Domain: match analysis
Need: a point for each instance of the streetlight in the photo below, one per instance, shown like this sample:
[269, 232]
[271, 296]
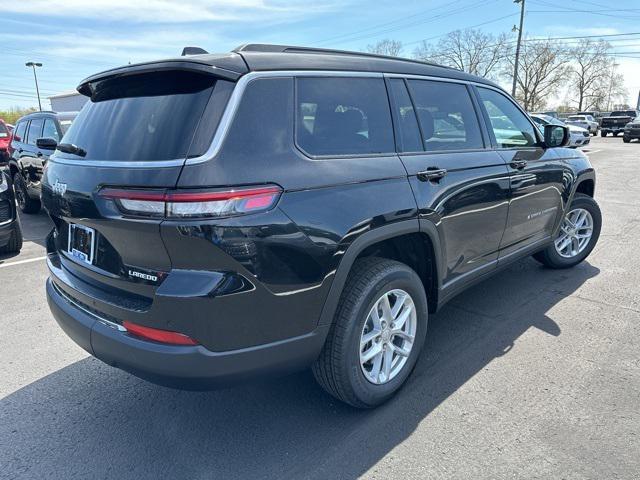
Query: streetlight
[35, 77]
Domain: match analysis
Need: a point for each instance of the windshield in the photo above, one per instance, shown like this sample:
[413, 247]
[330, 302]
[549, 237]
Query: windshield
[576, 117]
[628, 113]
[143, 117]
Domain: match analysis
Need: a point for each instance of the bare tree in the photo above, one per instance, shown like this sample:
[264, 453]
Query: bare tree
[391, 48]
[543, 67]
[469, 50]
[590, 73]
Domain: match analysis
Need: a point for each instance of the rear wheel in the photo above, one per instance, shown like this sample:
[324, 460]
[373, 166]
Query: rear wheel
[15, 241]
[626, 139]
[603, 133]
[615, 134]
[578, 234]
[377, 335]
[25, 202]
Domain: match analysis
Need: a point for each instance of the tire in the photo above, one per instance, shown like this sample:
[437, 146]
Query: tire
[626, 139]
[615, 134]
[26, 203]
[15, 241]
[550, 256]
[338, 369]
[603, 133]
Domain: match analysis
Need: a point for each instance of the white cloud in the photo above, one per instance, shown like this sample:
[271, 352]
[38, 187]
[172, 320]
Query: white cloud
[166, 11]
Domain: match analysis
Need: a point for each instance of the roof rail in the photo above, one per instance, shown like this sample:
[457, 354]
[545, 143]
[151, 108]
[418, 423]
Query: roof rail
[268, 48]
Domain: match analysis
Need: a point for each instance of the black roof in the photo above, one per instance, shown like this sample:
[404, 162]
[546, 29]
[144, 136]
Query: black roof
[265, 57]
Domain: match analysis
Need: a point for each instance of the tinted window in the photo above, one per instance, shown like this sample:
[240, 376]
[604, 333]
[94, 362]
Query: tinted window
[50, 130]
[510, 126]
[3, 130]
[20, 131]
[409, 133]
[447, 118]
[35, 130]
[142, 117]
[343, 116]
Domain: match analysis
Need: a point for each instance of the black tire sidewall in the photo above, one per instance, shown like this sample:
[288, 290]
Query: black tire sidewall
[400, 278]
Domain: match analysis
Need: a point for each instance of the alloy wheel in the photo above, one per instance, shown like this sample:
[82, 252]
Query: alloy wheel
[575, 233]
[388, 336]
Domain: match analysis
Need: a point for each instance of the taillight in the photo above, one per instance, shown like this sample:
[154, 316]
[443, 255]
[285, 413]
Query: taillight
[157, 335]
[194, 204]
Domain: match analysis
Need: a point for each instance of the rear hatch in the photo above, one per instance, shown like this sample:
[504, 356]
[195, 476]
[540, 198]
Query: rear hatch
[617, 120]
[135, 133]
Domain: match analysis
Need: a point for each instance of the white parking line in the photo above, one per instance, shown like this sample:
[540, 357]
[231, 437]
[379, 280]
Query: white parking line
[20, 262]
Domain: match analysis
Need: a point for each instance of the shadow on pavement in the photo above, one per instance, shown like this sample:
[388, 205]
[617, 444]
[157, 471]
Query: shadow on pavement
[91, 421]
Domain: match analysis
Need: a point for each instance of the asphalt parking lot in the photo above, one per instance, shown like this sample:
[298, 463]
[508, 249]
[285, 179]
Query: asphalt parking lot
[532, 374]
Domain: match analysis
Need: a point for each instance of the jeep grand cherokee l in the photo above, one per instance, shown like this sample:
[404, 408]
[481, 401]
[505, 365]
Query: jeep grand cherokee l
[219, 217]
[36, 137]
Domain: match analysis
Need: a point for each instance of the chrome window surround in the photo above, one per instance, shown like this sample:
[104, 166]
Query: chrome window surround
[232, 107]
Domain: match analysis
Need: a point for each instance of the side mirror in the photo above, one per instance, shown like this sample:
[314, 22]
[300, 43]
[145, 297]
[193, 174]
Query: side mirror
[556, 136]
[46, 143]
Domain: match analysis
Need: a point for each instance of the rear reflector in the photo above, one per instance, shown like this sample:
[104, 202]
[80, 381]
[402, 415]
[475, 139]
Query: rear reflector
[194, 204]
[157, 335]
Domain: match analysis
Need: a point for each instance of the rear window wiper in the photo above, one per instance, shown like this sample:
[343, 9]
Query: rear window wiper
[71, 148]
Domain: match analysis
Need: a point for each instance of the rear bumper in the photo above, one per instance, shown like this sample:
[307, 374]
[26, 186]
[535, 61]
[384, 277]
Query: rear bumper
[612, 129]
[188, 367]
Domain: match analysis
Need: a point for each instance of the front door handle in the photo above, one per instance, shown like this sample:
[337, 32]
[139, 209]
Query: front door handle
[518, 164]
[39, 154]
[431, 174]
[20, 150]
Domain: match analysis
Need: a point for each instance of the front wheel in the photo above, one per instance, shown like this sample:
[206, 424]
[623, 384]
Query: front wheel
[377, 334]
[603, 133]
[577, 236]
[626, 139]
[14, 245]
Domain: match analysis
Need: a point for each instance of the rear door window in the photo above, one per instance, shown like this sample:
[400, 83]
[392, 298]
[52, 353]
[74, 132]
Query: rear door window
[448, 120]
[145, 117]
[410, 138]
[343, 116]
[35, 130]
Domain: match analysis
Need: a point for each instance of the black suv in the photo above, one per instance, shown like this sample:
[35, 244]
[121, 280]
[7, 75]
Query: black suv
[225, 216]
[10, 231]
[35, 138]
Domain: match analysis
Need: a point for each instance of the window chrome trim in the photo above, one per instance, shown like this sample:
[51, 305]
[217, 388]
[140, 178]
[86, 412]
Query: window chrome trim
[232, 107]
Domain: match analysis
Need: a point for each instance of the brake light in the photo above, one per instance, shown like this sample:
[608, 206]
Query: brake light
[194, 204]
[157, 335]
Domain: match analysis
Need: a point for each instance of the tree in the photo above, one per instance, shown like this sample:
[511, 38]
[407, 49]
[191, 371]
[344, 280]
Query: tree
[391, 48]
[590, 73]
[472, 51]
[543, 67]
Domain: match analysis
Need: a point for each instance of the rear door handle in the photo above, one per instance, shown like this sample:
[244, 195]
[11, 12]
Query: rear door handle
[518, 164]
[431, 174]
[39, 154]
[20, 150]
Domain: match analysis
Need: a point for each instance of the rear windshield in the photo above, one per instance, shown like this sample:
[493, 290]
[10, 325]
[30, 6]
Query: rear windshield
[144, 117]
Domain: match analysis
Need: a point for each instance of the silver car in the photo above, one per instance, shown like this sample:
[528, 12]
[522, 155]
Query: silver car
[578, 136]
[584, 121]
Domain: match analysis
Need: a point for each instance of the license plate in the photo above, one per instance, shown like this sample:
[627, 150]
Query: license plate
[81, 242]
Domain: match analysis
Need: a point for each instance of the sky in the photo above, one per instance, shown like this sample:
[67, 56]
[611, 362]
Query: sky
[76, 38]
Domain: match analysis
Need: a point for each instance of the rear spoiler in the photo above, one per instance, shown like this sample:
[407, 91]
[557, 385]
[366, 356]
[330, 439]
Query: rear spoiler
[87, 85]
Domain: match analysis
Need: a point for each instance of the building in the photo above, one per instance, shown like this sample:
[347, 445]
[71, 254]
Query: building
[70, 101]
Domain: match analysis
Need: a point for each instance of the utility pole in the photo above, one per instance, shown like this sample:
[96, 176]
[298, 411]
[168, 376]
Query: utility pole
[35, 77]
[515, 67]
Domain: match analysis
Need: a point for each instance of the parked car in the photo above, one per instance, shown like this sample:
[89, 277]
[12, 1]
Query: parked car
[277, 208]
[10, 231]
[616, 122]
[579, 137]
[5, 141]
[631, 130]
[35, 139]
[584, 121]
